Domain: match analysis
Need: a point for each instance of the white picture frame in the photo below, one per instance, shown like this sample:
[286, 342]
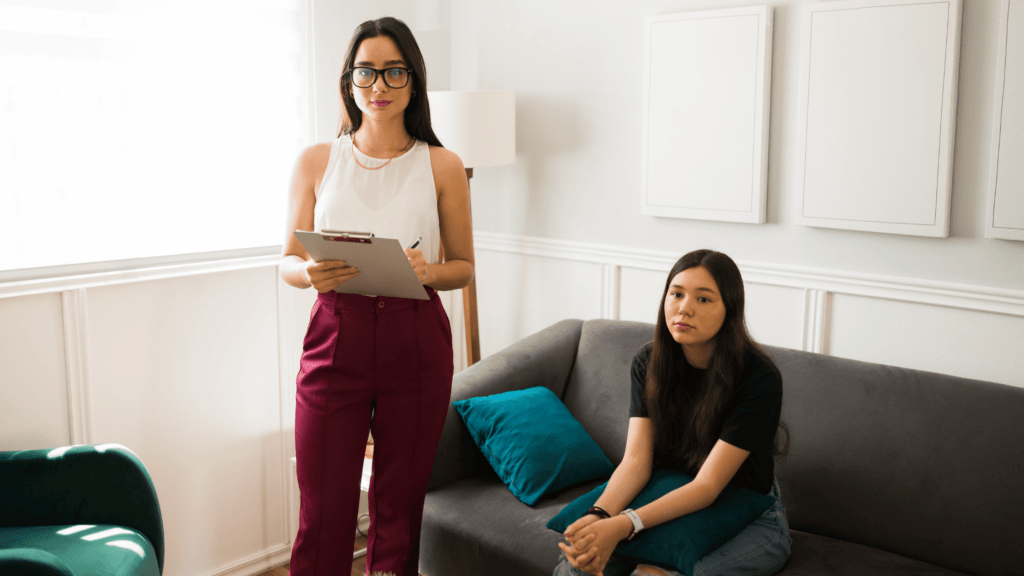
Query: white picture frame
[877, 115]
[1004, 217]
[707, 87]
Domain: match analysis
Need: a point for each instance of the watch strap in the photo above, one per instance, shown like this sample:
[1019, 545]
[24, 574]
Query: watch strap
[635, 519]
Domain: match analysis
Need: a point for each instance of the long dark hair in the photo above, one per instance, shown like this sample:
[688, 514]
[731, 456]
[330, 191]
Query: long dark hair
[686, 422]
[417, 114]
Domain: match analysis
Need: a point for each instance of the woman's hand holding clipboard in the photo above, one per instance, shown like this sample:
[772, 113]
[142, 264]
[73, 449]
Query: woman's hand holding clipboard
[327, 275]
[364, 264]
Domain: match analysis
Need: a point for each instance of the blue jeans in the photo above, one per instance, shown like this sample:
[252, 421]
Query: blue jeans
[761, 549]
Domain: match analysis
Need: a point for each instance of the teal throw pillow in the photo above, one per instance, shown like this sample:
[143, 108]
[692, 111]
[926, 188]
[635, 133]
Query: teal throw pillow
[680, 543]
[533, 442]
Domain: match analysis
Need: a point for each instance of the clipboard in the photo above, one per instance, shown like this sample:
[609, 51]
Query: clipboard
[384, 270]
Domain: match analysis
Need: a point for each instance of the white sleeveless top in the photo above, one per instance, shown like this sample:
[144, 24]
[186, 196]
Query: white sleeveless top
[397, 201]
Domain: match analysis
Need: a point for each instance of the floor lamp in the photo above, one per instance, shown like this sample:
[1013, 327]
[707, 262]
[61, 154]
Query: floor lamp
[479, 126]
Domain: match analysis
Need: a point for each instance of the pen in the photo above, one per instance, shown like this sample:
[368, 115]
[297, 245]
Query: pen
[415, 244]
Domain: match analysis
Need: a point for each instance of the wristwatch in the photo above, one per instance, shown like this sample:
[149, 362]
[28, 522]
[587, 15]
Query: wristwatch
[635, 519]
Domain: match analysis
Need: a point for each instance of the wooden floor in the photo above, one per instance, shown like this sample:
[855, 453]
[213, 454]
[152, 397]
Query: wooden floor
[358, 565]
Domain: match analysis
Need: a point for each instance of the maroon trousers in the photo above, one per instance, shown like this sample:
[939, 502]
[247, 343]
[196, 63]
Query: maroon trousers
[362, 354]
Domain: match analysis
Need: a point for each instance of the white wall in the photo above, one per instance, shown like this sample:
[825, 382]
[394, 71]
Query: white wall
[577, 68]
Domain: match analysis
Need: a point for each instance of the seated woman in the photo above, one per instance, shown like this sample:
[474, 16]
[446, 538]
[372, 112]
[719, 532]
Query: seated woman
[706, 399]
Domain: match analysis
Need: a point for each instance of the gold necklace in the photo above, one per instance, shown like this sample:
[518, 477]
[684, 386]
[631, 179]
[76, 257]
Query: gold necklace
[353, 137]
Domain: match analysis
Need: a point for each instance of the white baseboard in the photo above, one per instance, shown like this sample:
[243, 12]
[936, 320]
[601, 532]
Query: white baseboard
[257, 563]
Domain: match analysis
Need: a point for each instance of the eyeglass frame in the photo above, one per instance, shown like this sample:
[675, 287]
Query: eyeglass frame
[379, 72]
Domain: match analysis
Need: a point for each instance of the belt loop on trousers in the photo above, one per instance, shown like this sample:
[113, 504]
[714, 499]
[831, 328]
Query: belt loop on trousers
[332, 296]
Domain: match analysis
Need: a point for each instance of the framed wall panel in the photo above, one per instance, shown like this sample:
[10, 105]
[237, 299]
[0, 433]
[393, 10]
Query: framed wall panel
[877, 115]
[1005, 215]
[706, 96]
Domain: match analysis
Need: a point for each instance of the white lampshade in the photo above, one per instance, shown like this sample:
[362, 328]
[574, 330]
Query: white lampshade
[478, 125]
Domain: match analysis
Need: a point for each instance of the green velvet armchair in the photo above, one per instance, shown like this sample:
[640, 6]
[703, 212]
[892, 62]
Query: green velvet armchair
[79, 511]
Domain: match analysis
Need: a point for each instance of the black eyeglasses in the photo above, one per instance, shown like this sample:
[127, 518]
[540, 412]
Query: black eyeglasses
[363, 77]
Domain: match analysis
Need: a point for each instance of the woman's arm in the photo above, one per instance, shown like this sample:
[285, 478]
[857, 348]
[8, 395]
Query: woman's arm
[296, 267]
[721, 465]
[598, 539]
[456, 223]
[632, 474]
[591, 539]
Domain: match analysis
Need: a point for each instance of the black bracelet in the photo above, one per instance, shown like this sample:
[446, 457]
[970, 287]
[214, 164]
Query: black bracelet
[598, 511]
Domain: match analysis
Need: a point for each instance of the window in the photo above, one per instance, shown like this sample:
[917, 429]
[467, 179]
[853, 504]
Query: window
[143, 128]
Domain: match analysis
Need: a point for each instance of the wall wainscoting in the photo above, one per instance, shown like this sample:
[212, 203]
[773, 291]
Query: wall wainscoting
[179, 362]
[76, 362]
[973, 331]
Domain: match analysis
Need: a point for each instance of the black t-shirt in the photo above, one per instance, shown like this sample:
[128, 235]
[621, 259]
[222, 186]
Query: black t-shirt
[750, 422]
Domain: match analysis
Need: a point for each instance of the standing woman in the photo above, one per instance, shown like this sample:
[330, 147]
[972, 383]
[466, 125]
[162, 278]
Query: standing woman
[386, 173]
[706, 399]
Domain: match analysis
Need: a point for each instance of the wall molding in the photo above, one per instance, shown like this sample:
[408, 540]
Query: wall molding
[611, 275]
[286, 318]
[915, 290]
[76, 364]
[816, 314]
[72, 282]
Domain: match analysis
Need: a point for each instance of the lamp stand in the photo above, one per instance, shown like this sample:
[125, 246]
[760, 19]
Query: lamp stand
[469, 312]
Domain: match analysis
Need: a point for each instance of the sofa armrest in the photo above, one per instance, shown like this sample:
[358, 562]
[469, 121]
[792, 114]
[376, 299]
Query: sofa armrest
[543, 359]
[32, 562]
[101, 484]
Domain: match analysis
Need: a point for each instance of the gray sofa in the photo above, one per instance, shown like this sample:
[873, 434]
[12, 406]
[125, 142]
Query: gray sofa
[890, 470]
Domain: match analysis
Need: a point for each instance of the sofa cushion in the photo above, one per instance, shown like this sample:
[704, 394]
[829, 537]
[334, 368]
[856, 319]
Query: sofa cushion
[476, 523]
[87, 549]
[532, 442]
[476, 526]
[679, 543]
[815, 555]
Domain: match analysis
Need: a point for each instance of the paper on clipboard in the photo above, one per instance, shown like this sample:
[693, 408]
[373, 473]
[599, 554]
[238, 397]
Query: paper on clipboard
[384, 270]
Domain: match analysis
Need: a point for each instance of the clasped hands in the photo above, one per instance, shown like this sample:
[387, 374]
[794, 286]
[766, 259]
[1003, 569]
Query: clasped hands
[592, 541]
[329, 274]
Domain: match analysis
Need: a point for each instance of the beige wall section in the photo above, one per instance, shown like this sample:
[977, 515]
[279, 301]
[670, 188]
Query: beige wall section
[518, 295]
[774, 314]
[184, 372]
[641, 290]
[964, 343]
[33, 389]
